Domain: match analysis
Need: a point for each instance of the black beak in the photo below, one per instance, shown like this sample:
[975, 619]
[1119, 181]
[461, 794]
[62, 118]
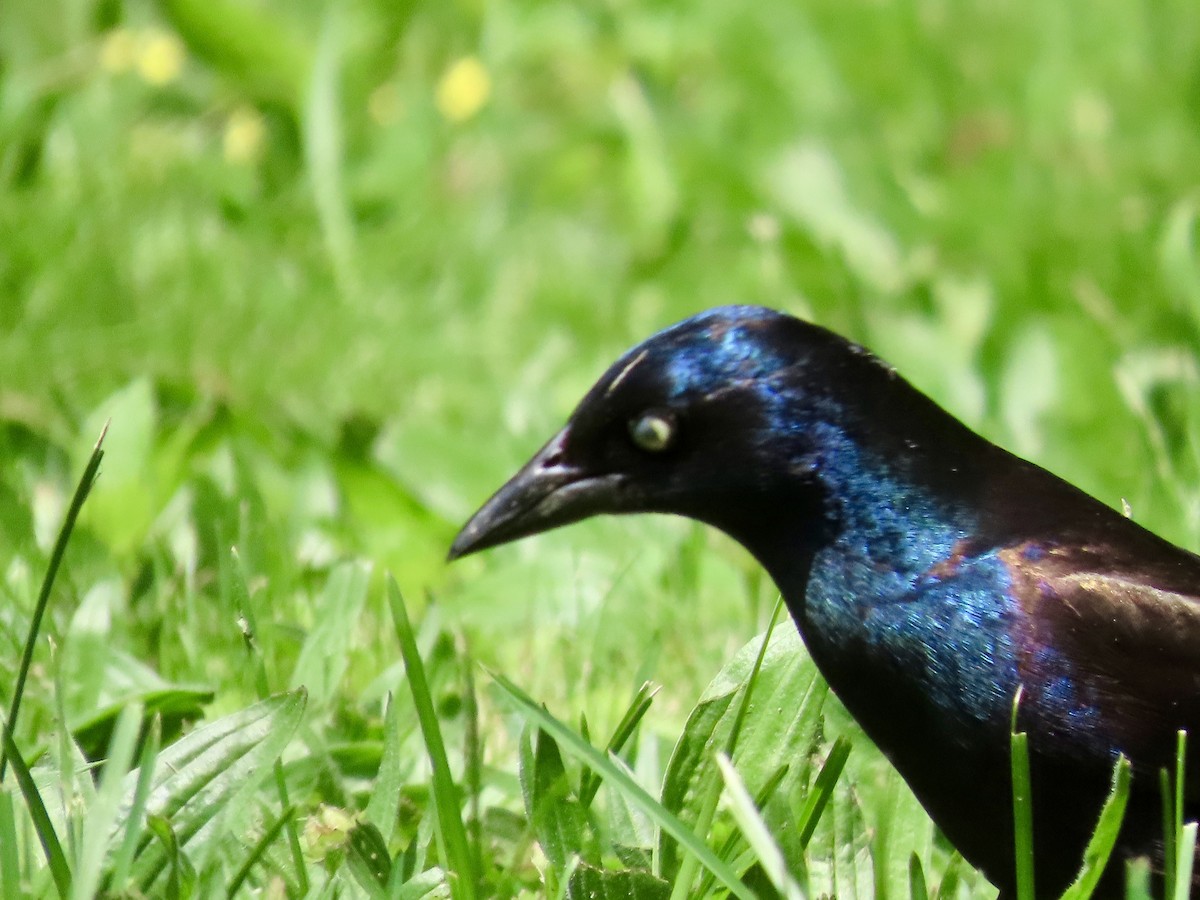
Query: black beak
[546, 493]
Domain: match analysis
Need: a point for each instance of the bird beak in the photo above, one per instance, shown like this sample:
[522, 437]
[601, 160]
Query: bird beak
[546, 493]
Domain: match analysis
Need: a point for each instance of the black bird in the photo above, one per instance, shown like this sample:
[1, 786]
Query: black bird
[930, 572]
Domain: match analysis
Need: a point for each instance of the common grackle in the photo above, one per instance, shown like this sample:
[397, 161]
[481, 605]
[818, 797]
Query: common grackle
[930, 572]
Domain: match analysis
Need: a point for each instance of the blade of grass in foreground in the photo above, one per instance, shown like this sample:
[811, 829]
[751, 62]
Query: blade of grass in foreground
[98, 824]
[463, 884]
[712, 795]
[758, 836]
[56, 556]
[1022, 795]
[10, 865]
[1137, 879]
[821, 791]
[135, 817]
[1104, 838]
[239, 588]
[1185, 840]
[1186, 849]
[57, 860]
[258, 851]
[589, 781]
[616, 775]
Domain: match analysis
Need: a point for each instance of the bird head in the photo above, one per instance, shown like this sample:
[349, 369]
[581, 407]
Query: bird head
[717, 418]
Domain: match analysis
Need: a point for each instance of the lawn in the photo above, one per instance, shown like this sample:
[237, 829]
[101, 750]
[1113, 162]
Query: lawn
[331, 272]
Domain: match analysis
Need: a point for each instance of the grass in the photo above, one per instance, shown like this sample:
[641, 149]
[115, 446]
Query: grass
[334, 272]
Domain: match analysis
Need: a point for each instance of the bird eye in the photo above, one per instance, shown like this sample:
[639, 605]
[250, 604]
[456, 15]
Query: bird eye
[652, 432]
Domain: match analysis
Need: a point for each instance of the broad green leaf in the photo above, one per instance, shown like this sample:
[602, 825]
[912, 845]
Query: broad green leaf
[428, 885]
[630, 831]
[206, 780]
[367, 855]
[592, 883]
[389, 776]
[181, 874]
[840, 863]
[554, 811]
[780, 728]
[262, 52]
[618, 778]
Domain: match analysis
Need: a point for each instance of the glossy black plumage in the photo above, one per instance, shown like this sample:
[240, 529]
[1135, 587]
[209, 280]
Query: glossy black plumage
[930, 572]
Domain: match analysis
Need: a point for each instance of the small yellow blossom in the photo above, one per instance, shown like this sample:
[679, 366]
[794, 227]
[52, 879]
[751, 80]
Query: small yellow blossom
[160, 57]
[245, 136]
[118, 51]
[464, 89]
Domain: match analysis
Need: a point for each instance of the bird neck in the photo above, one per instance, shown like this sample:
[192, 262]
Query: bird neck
[885, 510]
[871, 508]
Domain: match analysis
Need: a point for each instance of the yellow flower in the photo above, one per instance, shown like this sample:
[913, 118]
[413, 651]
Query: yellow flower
[118, 50]
[245, 135]
[464, 89]
[160, 57]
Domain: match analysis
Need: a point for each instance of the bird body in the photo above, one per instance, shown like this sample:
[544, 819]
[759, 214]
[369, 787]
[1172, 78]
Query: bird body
[931, 573]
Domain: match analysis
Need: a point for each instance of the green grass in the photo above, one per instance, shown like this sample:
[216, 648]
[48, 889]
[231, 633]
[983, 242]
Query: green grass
[326, 317]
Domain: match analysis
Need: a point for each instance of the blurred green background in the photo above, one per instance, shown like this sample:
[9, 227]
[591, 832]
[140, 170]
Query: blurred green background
[335, 269]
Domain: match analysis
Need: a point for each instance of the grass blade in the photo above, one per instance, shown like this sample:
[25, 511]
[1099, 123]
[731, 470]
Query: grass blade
[239, 588]
[589, 781]
[1022, 795]
[134, 818]
[616, 775]
[257, 851]
[758, 836]
[39, 610]
[1104, 838]
[916, 879]
[389, 782]
[10, 866]
[1186, 849]
[1170, 829]
[708, 809]
[446, 804]
[60, 869]
[731, 842]
[822, 789]
[98, 828]
[1137, 879]
[1185, 835]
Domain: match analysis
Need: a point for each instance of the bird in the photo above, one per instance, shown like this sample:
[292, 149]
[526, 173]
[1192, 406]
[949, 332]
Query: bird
[932, 574]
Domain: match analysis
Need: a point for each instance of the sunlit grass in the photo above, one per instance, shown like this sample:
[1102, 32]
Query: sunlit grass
[333, 275]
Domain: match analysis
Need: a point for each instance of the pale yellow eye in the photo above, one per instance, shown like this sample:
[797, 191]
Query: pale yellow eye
[652, 432]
